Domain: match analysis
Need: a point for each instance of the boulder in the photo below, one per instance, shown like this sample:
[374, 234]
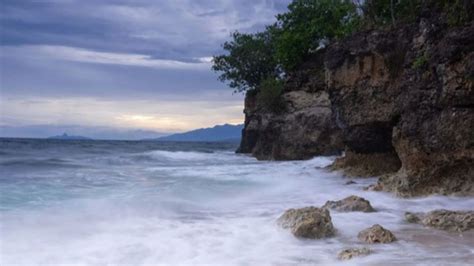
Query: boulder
[349, 253]
[350, 204]
[376, 234]
[453, 221]
[308, 222]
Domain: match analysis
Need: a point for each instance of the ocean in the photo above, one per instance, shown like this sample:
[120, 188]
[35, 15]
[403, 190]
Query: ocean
[159, 203]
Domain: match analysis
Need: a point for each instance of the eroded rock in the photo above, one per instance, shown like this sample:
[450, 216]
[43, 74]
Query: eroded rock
[350, 253]
[350, 204]
[308, 222]
[376, 234]
[303, 129]
[453, 221]
[367, 165]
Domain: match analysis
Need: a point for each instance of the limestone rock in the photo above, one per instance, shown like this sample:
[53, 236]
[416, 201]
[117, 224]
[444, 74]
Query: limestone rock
[303, 130]
[308, 222]
[376, 234]
[453, 221]
[350, 204]
[349, 253]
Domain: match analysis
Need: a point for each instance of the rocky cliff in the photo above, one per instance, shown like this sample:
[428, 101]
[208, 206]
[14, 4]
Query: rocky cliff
[303, 128]
[400, 102]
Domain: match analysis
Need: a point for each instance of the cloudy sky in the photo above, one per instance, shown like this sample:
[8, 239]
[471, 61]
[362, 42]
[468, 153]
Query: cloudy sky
[98, 67]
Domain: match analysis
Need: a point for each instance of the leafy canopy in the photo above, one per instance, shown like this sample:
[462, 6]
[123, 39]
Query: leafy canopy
[249, 60]
[389, 12]
[308, 23]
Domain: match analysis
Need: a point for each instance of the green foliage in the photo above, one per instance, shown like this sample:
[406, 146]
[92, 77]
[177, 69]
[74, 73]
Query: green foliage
[251, 93]
[269, 95]
[420, 61]
[458, 12]
[389, 12]
[308, 23]
[249, 60]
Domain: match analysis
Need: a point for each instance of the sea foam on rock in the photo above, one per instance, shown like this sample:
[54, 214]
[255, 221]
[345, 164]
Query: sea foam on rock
[308, 222]
[350, 204]
[376, 234]
[453, 221]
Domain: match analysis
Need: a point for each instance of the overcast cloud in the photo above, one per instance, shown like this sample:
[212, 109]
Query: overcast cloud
[125, 64]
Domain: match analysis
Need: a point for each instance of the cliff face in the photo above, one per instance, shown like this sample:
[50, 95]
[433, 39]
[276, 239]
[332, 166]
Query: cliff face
[401, 102]
[304, 128]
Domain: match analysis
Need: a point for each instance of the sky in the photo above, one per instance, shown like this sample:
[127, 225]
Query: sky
[119, 69]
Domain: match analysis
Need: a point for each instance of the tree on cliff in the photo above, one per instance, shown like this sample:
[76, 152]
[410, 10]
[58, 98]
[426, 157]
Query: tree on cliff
[310, 23]
[388, 12]
[253, 58]
[249, 60]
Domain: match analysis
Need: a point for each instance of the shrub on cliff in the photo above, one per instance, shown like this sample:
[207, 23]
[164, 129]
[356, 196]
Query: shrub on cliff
[269, 93]
[249, 59]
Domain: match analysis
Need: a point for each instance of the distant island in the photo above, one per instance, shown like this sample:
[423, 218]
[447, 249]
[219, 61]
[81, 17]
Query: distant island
[65, 136]
[219, 133]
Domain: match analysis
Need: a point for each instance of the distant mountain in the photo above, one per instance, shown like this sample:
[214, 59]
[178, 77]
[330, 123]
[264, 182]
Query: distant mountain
[93, 132]
[65, 136]
[218, 133]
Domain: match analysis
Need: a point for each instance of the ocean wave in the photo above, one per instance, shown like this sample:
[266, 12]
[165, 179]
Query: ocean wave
[52, 162]
[188, 155]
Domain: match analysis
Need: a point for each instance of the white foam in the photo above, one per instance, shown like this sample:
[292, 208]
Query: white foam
[222, 212]
[190, 155]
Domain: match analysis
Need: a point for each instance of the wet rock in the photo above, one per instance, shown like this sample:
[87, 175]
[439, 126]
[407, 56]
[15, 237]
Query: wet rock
[374, 187]
[412, 217]
[376, 234]
[308, 222]
[350, 204]
[453, 221]
[367, 165]
[350, 182]
[349, 253]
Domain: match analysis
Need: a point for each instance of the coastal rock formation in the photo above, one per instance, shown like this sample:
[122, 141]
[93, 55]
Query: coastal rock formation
[400, 102]
[405, 106]
[350, 204]
[376, 234]
[308, 222]
[304, 129]
[453, 221]
[350, 253]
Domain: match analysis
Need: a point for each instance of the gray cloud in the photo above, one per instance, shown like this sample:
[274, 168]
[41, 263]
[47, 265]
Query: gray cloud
[66, 51]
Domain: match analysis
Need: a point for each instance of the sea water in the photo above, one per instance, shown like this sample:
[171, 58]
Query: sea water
[151, 203]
